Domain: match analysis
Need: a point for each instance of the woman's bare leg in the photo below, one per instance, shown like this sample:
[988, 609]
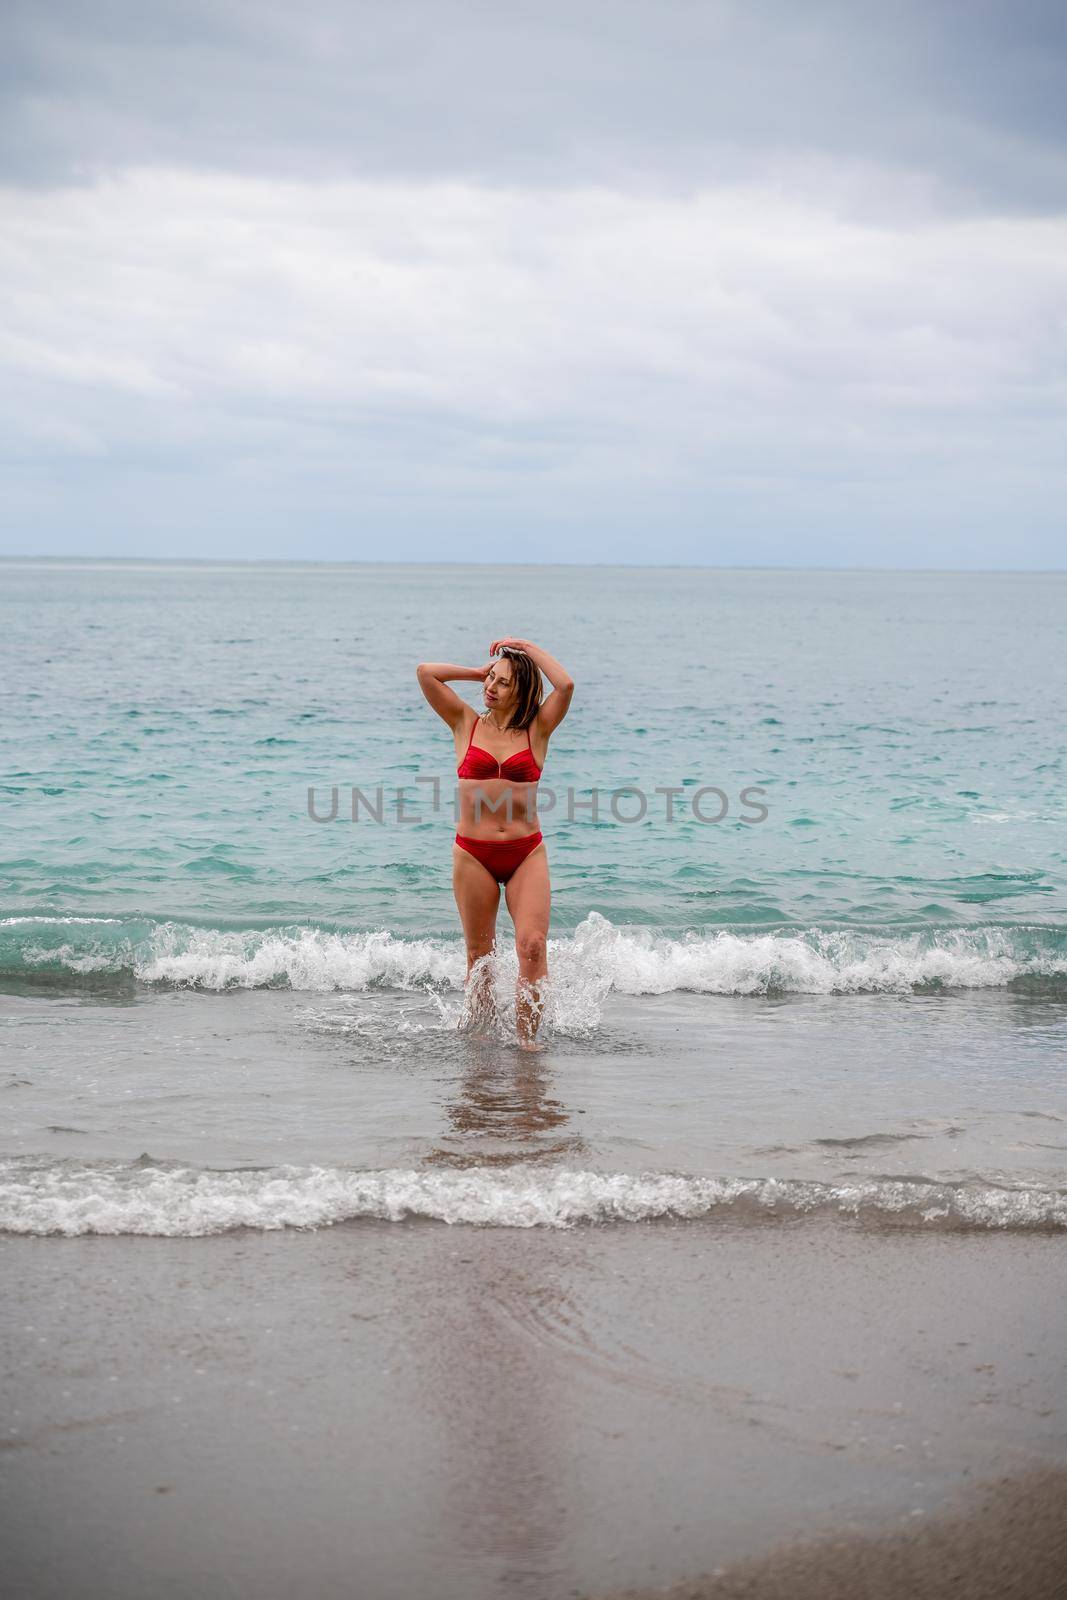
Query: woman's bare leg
[529, 900]
[478, 899]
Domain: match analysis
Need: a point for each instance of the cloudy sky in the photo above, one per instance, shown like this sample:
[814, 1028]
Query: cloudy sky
[739, 282]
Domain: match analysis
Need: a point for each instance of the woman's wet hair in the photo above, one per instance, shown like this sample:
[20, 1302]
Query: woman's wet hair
[527, 688]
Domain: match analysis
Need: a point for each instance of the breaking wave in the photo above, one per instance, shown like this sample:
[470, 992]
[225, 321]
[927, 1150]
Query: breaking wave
[62, 1196]
[109, 951]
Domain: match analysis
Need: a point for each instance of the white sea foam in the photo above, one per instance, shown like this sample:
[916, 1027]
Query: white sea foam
[15, 922]
[596, 958]
[39, 1196]
[815, 961]
[308, 958]
[70, 957]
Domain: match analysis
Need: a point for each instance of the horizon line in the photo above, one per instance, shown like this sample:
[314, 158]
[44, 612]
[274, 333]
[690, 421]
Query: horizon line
[638, 566]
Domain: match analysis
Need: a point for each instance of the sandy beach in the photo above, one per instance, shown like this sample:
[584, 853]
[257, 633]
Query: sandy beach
[402, 1409]
[1007, 1539]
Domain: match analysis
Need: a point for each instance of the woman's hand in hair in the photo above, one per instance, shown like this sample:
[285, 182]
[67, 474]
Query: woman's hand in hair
[508, 644]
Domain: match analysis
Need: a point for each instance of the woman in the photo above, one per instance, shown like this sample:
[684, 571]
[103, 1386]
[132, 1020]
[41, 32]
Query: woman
[499, 841]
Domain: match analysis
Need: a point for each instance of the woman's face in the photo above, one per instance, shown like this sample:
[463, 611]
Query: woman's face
[499, 686]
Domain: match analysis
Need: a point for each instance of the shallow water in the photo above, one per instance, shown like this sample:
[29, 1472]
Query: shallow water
[189, 1113]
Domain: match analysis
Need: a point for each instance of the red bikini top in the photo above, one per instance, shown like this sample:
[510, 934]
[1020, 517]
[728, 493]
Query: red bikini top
[478, 763]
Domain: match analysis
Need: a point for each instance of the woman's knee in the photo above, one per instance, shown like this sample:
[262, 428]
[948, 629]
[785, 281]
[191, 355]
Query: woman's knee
[531, 945]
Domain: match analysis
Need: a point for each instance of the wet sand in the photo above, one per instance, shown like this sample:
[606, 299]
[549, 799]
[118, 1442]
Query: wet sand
[1007, 1541]
[397, 1410]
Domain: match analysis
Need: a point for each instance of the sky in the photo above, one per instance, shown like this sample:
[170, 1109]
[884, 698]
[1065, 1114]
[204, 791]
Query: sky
[776, 283]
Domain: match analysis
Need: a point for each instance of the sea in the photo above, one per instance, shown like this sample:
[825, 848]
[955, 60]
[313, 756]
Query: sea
[808, 955]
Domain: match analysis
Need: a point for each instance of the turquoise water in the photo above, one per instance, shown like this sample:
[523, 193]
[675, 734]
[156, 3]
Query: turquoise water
[163, 725]
[867, 987]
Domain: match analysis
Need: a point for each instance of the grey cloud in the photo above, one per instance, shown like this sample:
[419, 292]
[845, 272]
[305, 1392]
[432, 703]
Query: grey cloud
[208, 363]
[681, 92]
[779, 281]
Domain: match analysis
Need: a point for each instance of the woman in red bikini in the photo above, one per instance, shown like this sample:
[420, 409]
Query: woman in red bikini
[499, 841]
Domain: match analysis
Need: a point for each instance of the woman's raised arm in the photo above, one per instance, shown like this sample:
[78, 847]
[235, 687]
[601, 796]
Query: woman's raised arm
[445, 701]
[554, 707]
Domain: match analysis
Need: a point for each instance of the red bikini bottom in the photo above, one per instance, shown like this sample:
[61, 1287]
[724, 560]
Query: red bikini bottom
[500, 856]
